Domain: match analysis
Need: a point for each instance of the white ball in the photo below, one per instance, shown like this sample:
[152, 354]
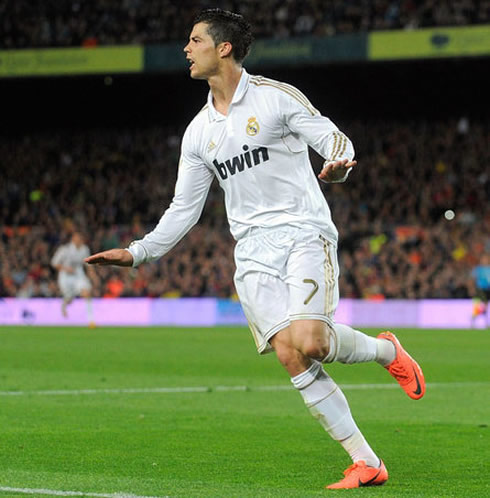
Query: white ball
[449, 215]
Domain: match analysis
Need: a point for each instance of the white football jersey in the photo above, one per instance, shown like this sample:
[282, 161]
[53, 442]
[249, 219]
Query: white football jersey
[259, 154]
[71, 256]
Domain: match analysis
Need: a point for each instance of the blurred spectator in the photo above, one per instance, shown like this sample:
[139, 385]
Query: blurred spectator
[397, 240]
[114, 287]
[89, 23]
[481, 276]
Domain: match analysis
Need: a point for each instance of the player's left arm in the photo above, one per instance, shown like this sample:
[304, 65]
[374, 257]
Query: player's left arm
[193, 182]
[320, 133]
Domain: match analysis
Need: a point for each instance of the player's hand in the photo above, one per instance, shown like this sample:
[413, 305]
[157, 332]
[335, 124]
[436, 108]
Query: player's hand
[334, 171]
[117, 257]
[68, 269]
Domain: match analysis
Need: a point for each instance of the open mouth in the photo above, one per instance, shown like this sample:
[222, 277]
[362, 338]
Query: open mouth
[191, 63]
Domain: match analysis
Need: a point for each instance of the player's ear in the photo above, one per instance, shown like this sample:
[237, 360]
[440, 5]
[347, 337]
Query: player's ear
[224, 49]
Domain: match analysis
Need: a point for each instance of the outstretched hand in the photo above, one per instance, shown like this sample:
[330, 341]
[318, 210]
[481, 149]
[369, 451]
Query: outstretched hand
[335, 170]
[117, 257]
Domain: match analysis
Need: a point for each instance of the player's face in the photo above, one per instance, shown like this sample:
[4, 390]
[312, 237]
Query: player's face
[77, 239]
[201, 53]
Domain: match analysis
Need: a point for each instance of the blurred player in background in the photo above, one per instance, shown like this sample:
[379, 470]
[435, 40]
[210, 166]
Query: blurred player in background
[253, 136]
[481, 275]
[68, 260]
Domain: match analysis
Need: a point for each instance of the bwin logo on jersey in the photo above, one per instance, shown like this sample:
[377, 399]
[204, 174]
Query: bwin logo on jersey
[237, 163]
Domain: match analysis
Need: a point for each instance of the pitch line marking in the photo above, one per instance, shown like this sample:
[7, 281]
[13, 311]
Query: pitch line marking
[54, 492]
[209, 389]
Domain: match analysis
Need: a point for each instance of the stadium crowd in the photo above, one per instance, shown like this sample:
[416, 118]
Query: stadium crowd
[24, 23]
[413, 218]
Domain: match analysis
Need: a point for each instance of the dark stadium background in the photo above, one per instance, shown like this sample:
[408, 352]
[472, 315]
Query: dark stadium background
[397, 90]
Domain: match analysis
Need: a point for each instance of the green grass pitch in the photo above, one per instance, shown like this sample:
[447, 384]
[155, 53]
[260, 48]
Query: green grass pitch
[225, 443]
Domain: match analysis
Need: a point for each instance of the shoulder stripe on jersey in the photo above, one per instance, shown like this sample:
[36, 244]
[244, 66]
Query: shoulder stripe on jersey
[310, 108]
[278, 84]
[283, 86]
[285, 90]
[291, 88]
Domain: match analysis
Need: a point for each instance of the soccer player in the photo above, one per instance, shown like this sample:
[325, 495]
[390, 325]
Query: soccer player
[481, 275]
[253, 136]
[68, 260]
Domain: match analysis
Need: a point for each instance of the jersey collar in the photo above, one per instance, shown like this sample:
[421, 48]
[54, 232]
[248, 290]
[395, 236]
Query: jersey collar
[240, 91]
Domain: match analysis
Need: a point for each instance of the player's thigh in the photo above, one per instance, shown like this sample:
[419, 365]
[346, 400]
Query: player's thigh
[264, 299]
[261, 260]
[312, 279]
[67, 286]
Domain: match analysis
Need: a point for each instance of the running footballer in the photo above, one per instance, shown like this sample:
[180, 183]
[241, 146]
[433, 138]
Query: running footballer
[253, 136]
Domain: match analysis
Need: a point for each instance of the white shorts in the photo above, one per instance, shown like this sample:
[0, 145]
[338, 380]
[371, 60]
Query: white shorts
[73, 285]
[283, 275]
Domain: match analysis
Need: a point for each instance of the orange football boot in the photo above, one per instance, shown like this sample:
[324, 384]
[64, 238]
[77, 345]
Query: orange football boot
[405, 369]
[359, 475]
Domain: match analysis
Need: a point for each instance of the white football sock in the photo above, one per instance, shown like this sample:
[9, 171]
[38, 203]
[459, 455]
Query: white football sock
[348, 345]
[385, 352]
[329, 406]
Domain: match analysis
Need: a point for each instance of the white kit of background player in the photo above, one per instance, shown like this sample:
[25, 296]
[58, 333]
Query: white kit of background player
[68, 260]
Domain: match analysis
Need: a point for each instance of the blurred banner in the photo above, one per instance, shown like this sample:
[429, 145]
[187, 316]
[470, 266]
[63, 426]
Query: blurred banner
[430, 42]
[308, 50]
[169, 57]
[64, 61]
[429, 313]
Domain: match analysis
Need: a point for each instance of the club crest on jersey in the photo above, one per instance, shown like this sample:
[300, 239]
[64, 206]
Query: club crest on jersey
[252, 126]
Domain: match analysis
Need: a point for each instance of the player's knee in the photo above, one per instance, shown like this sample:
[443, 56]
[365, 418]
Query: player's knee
[315, 348]
[314, 340]
[286, 353]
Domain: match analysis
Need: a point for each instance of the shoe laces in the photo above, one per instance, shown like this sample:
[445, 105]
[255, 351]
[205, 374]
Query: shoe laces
[353, 467]
[400, 371]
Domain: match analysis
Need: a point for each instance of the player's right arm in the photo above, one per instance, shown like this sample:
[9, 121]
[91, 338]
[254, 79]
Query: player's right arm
[193, 182]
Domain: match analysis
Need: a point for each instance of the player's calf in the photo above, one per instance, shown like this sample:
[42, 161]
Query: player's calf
[348, 345]
[327, 343]
[329, 406]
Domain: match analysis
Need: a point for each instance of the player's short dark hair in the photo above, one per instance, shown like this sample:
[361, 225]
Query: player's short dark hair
[225, 26]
